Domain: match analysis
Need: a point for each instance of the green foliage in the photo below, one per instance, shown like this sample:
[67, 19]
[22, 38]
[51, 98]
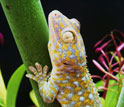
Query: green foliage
[112, 95]
[98, 84]
[121, 98]
[33, 98]
[8, 97]
[102, 101]
[2, 90]
[13, 86]
[1, 102]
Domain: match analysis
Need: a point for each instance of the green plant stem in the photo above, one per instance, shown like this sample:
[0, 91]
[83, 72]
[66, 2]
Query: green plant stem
[29, 28]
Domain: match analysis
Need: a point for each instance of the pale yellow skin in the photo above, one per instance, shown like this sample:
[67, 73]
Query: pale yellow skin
[69, 81]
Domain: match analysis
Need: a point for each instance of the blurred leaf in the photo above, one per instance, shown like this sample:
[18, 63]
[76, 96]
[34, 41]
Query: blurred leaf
[1, 102]
[13, 86]
[102, 100]
[98, 84]
[121, 97]
[111, 96]
[33, 98]
[2, 88]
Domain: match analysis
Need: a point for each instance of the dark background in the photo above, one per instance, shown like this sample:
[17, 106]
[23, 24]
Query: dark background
[97, 18]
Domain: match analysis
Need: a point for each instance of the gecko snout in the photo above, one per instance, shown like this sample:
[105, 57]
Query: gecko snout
[55, 13]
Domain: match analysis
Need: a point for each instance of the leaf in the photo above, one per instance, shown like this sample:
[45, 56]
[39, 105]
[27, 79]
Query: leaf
[102, 100]
[2, 89]
[33, 98]
[98, 84]
[112, 96]
[121, 98]
[13, 86]
[1, 102]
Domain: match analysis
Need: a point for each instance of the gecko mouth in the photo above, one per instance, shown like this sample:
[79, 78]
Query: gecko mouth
[66, 64]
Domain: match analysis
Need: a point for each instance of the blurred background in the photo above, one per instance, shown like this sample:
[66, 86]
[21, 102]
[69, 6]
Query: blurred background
[97, 18]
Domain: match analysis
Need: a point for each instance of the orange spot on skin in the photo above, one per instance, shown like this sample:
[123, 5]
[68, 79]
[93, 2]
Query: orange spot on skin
[74, 47]
[61, 24]
[75, 98]
[61, 56]
[76, 53]
[67, 59]
[72, 74]
[77, 89]
[54, 51]
[75, 67]
[63, 96]
[67, 84]
[65, 47]
[69, 53]
[56, 26]
[78, 59]
[57, 47]
[91, 102]
[56, 59]
[72, 61]
[65, 102]
[72, 80]
[83, 83]
[58, 64]
[66, 91]
[79, 79]
[77, 104]
[73, 85]
[86, 94]
[86, 102]
[53, 40]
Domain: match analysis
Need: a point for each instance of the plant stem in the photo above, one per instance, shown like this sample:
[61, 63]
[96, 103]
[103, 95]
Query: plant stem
[29, 28]
[106, 86]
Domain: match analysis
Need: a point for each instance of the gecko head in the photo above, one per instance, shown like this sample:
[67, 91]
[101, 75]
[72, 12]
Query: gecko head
[65, 42]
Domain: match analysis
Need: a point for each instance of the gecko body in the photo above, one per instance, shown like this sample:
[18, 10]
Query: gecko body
[69, 81]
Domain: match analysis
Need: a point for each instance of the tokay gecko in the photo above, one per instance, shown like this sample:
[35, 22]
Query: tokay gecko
[69, 81]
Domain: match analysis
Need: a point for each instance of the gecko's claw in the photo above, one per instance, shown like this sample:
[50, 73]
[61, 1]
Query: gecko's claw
[39, 73]
[33, 70]
[31, 77]
[45, 70]
[38, 67]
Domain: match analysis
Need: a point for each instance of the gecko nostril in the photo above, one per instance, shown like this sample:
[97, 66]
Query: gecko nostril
[55, 14]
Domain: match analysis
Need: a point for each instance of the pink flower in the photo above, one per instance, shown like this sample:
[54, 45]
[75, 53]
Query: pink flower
[1, 39]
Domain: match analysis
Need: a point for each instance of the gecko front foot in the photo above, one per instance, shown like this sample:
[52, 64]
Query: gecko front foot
[39, 73]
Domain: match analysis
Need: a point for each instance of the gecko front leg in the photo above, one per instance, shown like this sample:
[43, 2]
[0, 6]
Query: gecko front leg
[47, 88]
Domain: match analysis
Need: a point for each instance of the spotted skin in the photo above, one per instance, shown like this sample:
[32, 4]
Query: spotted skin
[69, 81]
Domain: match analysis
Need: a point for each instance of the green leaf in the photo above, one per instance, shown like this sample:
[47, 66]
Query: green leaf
[33, 98]
[1, 102]
[2, 88]
[102, 100]
[121, 97]
[112, 96]
[98, 84]
[13, 86]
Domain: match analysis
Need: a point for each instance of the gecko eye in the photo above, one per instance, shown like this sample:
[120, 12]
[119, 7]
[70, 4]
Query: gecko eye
[68, 37]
